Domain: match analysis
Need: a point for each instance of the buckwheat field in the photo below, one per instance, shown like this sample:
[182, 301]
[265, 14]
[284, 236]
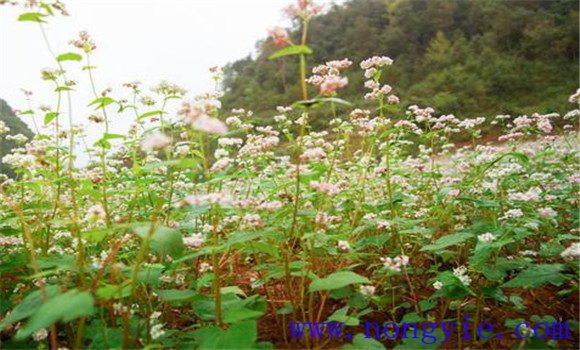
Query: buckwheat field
[219, 228]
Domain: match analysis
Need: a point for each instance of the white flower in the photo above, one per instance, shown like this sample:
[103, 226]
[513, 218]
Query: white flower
[283, 109]
[316, 153]
[155, 142]
[221, 164]
[547, 212]
[326, 188]
[157, 331]
[20, 160]
[270, 206]
[533, 194]
[461, 273]
[344, 246]
[453, 193]
[182, 150]
[40, 334]
[575, 97]
[252, 221]
[205, 267]
[486, 237]
[396, 263]
[3, 128]
[195, 240]
[209, 125]
[229, 141]
[437, 285]
[528, 253]
[10, 240]
[207, 199]
[376, 61]
[383, 225]
[512, 214]
[571, 252]
[18, 138]
[368, 291]
[233, 121]
[95, 212]
[279, 118]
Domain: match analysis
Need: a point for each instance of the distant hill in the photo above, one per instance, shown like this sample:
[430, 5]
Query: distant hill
[470, 58]
[16, 126]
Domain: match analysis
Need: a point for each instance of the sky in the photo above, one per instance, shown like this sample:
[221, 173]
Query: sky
[144, 40]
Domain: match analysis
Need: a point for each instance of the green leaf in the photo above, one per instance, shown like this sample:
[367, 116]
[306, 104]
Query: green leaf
[291, 50]
[47, 8]
[103, 143]
[341, 315]
[69, 56]
[65, 307]
[163, 240]
[232, 290]
[536, 275]
[111, 291]
[175, 294]
[337, 280]
[236, 309]
[150, 114]
[319, 101]
[241, 335]
[101, 102]
[452, 287]
[422, 340]
[109, 136]
[32, 17]
[447, 241]
[360, 341]
[50, 116]
[335, 100]
[150, 275]
[28, 111]
[285, 310]
[28, 306]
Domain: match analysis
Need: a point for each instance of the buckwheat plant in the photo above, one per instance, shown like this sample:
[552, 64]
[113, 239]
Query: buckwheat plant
[202, 229]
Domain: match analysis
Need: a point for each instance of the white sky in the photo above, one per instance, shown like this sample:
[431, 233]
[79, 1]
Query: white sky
[145, 40]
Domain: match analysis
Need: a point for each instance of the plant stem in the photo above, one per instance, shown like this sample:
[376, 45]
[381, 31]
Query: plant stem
[216, 270]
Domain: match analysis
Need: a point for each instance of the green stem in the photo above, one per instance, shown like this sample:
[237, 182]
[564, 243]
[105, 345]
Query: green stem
[216, 270]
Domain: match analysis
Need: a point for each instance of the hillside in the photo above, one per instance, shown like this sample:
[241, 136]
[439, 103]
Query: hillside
[16, 126]
[471, 58]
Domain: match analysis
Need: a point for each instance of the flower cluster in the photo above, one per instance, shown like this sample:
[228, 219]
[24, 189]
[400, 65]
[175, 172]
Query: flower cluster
[303, 9]
[327, 76]
[84, 42]
[395, 264]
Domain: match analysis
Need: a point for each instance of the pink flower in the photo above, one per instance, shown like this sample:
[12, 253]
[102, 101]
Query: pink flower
[280, 36]
[194, 241]
[209, 125]
[547, 212]
[155, 142]
[304, 8]
[376, 62]
[343, 246]
[326, 188]
[332, 83]
[392, 99]
[486, 237]
[221, 164]
[453, 193]
[84, 42]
